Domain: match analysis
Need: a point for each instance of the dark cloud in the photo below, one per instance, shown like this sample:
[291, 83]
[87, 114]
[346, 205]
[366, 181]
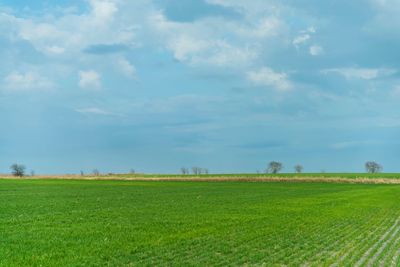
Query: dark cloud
[191, 10]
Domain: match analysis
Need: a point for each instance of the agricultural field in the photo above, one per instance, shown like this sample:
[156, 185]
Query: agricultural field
[146, 223]
[266, 175]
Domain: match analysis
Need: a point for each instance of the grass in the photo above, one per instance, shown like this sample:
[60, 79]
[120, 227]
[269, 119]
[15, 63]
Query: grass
[266, 175]
[140, 223]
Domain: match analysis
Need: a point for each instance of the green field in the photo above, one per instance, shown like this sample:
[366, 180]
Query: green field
[263, 175]
[130, 223]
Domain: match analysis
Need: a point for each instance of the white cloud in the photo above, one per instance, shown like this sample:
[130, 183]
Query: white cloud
[71, 33]
[267, 77]
[265, 27]
[214, 41]
[210, 52]
[127, 68]
[17, 81]
[184, 47]
[304, 36]
[311, 29]
[316, 50]
[209, 41]
[96, 111]
[103, 10]
[205, 41]
[225, 54]
[361, 73]
[353, 144]
[301, 39]
[54, 49]
[89, 79]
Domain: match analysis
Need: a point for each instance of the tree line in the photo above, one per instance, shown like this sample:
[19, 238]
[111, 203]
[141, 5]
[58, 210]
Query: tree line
[273, 167]
[19, 170]
[195, 171]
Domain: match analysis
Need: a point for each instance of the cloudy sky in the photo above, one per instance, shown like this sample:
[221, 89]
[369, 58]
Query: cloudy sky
[228, 85]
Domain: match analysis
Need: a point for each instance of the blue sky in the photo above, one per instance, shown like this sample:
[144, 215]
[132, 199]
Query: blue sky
[227, 85]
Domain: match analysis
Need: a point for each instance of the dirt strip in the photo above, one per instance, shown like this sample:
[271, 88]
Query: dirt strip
[224, 179]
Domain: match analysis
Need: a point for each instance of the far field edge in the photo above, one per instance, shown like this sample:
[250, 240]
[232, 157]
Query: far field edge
[216, 178]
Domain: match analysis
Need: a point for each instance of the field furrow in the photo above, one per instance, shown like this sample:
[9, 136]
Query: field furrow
[388, 256]
[379, 243]
[357, 243]
[342, 241]
[396, 257]
[378, 254]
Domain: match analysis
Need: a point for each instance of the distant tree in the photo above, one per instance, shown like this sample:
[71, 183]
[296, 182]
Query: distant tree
[18, 170]
[132, 171]
[298, 168]
[32, 173]
[199, 171]
[373, 167]
[82, 173]
[184, 171]
[274, 167]
[96, 172]
[196, 170]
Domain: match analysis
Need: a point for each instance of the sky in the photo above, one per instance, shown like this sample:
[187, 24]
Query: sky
[228, 85]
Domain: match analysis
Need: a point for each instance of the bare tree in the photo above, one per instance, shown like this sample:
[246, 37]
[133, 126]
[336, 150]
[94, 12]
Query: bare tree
[373, 167]
[196, 170]
[275, 167]
[184, 171]
[298, 168]
[206, 171]
[82, 173]
[96, 172]
[18, 170]
[132, 171]
[32, 173]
